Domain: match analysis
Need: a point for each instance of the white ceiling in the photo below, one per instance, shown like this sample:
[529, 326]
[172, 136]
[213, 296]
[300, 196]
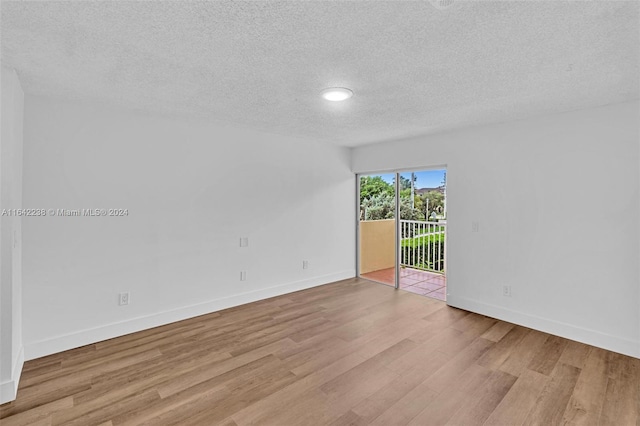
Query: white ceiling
[415, 69]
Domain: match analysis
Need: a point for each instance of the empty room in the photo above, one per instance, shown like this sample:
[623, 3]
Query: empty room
[293, 213]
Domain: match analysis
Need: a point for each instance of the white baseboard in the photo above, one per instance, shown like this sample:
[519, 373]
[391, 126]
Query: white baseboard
[9, 389]
[568, 331]
[108, 331]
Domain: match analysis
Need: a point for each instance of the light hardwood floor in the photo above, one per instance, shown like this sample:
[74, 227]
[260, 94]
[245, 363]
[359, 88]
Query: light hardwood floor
[348, 353]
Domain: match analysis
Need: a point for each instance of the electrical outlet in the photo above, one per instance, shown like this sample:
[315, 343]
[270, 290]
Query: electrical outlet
[243, 275]
[506, 290]
[124, 299]
[305, 264]
[244, 241]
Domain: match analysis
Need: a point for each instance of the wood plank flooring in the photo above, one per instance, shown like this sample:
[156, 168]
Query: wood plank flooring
[348, 353]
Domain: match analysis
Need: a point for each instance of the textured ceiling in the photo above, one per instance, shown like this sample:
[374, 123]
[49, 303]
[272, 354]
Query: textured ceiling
[415, 69]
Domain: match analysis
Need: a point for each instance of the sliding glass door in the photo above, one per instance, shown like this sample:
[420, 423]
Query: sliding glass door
[402, 230]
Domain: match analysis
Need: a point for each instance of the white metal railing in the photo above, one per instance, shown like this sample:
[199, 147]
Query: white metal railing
[423, 245]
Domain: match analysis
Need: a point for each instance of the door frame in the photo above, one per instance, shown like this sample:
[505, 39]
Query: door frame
[397, 229]
[397, 233]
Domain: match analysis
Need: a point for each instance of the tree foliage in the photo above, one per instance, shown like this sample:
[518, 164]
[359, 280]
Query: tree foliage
[371, 186]
[382, 206]
[378, 207]
[377, 200]
[435, 204]
[405, 183]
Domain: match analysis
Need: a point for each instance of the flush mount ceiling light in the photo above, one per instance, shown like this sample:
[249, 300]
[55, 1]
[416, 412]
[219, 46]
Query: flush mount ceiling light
[336, 94]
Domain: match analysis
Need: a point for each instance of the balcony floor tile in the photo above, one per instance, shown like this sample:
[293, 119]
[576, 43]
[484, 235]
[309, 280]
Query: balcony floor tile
[413, 280]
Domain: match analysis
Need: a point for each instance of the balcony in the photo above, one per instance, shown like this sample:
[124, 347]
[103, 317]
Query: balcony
[422, 255]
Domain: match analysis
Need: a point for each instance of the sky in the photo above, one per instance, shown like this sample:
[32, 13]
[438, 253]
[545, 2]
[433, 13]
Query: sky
[424, 179]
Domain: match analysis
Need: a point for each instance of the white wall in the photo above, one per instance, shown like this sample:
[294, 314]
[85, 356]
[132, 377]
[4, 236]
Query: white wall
[192, 190]
[11, 348]
[557, 201]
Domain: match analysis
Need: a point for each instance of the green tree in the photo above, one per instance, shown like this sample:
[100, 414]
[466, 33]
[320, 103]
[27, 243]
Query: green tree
[377, 199]
[405, 193]
[378, 207]
[435, 203]
[409, 213]
[382, 206]
[371, 186]
[405, 182]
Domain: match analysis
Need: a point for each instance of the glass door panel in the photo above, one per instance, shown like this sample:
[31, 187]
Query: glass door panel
[377, 228]
[422, 231]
